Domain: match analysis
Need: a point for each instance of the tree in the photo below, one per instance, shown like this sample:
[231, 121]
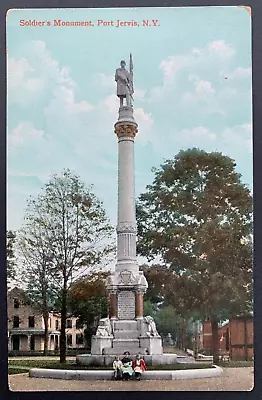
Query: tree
[37, 273]
[197, 217]
[75, 234]
[159, 279]
[88, 300]
[10, 256]
[162, 294]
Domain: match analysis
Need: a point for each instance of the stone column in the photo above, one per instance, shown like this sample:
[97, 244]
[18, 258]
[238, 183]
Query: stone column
[10, 342]
[112, 304]
[139, 304]
[28, 342]
[126, 228]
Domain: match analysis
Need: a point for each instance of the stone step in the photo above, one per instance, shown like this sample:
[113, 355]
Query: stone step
[126, 334]
[125, 343]
[125, 325]
[120, 351]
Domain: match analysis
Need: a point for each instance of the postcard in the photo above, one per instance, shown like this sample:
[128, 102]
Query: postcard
[129, 232]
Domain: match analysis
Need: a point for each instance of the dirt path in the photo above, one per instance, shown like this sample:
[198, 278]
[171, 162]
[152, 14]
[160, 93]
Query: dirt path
[232, 379]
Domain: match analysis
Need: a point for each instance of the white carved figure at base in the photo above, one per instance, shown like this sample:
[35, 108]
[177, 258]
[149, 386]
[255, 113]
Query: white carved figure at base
[104, 327]
[151, 326]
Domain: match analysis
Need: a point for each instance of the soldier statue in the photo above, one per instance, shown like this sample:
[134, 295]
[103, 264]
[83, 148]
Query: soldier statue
[124, 80]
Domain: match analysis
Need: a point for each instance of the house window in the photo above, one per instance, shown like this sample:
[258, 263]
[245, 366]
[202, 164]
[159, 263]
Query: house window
[16, 321]
[56, 324]
[69, 323]
[31, 321]
[50, 323]
[79, 324]
[69, 340]
[79, 338]
[32, 343]
[16, 303]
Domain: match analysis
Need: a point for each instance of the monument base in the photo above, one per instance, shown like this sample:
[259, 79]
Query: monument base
[115, 337]
[107, 360]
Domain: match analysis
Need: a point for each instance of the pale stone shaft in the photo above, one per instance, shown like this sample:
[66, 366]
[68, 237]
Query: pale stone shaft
[126, 185]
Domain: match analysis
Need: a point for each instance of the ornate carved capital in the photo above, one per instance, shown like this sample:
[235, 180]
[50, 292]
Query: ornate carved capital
[126, 227]
[126, 130]
[140, 290]
[112, 291]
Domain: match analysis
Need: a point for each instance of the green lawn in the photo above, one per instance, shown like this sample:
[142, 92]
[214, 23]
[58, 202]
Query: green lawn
[70, 365]
[56, 365]
[14, 370]
[236, 364]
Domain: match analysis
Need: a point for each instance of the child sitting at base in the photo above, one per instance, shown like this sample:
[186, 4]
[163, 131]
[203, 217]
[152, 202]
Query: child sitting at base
[127, 369]
[117, 367]
[139, 366]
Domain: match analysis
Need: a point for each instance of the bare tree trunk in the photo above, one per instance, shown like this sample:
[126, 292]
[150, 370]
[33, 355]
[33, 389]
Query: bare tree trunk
[63, 325]
[215, 340]
[183, 334]
[195, 340]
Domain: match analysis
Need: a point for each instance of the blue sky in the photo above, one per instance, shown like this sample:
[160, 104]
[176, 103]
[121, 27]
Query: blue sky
[192, 77]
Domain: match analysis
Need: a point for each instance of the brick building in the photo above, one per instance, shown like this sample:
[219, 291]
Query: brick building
[223, 334]
[235, 337]
[26, 326]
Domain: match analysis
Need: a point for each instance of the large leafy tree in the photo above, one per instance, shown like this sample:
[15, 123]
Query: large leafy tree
[159, 279]
[10, 256]
[171, 311]
[197, 216]
[88, 300]
[69, 223]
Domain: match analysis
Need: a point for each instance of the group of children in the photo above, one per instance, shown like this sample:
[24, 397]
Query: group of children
[126, 368]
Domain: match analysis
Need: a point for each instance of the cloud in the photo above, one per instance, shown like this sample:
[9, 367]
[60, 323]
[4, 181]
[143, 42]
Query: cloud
[204, 88]
[235, 141]
[111, 104]
[145, 124]
[139, 94]
[240, 73]
[47, 66]
[63, 102]
[206, 64]
[238, 138]
[24, 133]
[22, 86]
[28, 78]
[105, 81]
[220, 49]
[172, 65]
[198, 133]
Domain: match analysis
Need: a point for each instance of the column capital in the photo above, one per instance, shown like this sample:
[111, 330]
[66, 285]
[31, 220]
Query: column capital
[140, 290]
[127, 129]
[126, 227]
[112, 290]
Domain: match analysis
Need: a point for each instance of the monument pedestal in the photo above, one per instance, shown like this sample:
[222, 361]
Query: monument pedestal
[131, 335]
[126, 329]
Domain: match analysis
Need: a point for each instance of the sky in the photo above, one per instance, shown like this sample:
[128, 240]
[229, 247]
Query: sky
[192, 80]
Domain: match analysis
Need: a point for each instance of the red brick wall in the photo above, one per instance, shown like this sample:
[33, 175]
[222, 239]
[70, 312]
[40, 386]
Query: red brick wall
[241, 338]
[207, 336]
[240, 332]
